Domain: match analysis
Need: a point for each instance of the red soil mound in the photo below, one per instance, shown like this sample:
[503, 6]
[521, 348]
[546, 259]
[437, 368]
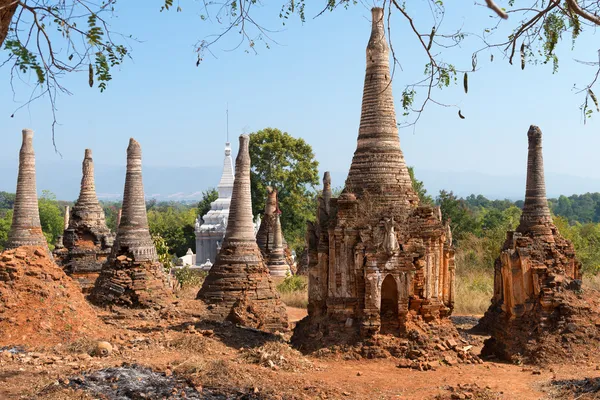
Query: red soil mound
[39, 304]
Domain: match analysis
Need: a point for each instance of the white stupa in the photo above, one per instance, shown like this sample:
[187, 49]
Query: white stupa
[210, 228]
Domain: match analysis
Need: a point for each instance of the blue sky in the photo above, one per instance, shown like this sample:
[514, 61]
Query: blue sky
[309, 85]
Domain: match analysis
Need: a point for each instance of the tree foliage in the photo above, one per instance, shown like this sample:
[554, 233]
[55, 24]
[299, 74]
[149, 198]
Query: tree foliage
[173, 222]
[5, 224]
[51, 217]
[287, 164]
[208, 196]
[419, 187]
[50, 38]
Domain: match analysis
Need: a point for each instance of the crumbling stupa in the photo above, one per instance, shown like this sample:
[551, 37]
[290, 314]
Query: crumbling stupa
[533, 274]
[87, 240]
[270, 238]
[26, 229]
[238, 287]
[132, 276]
[377, 259]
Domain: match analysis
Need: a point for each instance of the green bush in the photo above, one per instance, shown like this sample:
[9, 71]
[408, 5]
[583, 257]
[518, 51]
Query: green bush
[293, 283]
[187, 277]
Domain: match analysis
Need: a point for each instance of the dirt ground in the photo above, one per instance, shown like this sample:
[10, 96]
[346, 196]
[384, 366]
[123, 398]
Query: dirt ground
[188, 357]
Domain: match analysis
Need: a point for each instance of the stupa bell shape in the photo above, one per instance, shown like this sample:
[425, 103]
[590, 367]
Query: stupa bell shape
[378, 167]
[26, 229]
[238, 286]
[133, 234]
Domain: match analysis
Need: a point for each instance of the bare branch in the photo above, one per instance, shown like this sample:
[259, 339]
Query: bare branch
[494, 7]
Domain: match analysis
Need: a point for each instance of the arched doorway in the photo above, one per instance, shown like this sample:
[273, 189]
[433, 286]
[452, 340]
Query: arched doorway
[388, 310]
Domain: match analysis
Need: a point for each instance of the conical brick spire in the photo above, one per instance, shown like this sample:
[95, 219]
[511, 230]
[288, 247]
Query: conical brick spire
[87, 240]
[133, 234]
[26, 229]
[276, 261]
[87, 211]
[378, 165]
[240, 227]
[264, 236]
[326, 190]
[536, 218]
[133, 276]
[238, 286]
[67, 216]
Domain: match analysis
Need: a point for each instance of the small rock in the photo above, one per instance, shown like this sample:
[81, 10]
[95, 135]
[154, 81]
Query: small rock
[450, 360]
[359, 373]
[39, 253]
[103, 349]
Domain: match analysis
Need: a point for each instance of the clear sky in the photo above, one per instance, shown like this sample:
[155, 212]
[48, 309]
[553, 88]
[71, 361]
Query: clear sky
[309, 85]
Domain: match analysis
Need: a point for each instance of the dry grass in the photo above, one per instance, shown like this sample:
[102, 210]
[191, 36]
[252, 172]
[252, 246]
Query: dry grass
[592, 281]
[277, 355]
[295, 299]
[192, 343]
[294, 291]
[81, 345]
[474, 291]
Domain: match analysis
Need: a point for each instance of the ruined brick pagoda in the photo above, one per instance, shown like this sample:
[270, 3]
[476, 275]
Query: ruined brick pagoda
[132, 276]
[533, 274]
[377, 259]
[238, 287]
[26, 229]
[270, 238]
[87, 240]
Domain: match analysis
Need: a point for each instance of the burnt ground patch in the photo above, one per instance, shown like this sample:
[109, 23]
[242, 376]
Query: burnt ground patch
[135, 382]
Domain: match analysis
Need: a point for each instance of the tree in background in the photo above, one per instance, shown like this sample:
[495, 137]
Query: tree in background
[111, 212]
[462, 219]
[419, 187]
[208, 196]
[7, 200]
[51, 217]
[173, 222]
[5, 223]
[287, 164]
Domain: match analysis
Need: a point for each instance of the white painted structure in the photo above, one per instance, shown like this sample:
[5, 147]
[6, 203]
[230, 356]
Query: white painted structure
[210, 228]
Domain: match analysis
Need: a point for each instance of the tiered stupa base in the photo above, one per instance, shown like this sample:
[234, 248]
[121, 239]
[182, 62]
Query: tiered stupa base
[239, 289]
[540, 313]
[127, 282]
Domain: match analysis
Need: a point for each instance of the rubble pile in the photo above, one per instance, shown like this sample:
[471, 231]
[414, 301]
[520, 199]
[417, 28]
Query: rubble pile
[277, 356]
[468, 391]
[39, 304]
[426, 346]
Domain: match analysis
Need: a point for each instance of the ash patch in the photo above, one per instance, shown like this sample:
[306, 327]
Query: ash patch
[587, 388]
[133, 382]
[13, 349]
[464, 321]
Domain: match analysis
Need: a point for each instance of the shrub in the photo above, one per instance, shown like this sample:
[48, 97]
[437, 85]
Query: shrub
[187, 277]
[293, 283]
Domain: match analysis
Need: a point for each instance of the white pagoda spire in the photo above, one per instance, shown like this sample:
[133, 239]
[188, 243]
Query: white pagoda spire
[211, 229]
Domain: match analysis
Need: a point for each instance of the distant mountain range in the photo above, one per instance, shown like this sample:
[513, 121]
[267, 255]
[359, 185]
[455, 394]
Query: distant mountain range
[187, 183]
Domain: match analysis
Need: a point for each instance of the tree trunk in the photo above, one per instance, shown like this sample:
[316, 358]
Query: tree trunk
[7, 11]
